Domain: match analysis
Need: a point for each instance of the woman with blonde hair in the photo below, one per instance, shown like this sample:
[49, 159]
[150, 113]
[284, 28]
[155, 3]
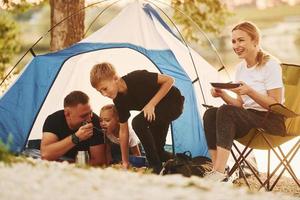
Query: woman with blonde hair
[260, 78]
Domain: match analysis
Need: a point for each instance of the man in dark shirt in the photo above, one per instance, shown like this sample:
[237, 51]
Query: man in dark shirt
[64, 132]
[151, 93]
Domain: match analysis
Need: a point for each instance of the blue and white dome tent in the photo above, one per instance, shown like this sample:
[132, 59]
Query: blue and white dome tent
[137, 38]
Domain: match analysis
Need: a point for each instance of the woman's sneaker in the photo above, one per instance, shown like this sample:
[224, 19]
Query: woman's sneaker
[215, 176]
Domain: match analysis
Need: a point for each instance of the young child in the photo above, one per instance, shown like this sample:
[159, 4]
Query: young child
[151, 93]
[109, 122]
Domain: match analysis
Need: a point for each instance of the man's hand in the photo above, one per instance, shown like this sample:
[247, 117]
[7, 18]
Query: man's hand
[149, 113]
[85, 132]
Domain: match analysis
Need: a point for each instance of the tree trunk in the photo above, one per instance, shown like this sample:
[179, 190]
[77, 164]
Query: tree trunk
[69, 31]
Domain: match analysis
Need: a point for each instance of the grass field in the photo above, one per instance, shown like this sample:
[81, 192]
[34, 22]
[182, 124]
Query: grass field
[267, 17]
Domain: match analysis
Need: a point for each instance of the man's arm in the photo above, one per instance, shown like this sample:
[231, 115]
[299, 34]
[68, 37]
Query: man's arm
[98, 155]
[52, 148]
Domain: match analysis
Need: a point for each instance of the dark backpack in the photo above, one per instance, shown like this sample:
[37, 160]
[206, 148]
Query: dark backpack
[184, 164]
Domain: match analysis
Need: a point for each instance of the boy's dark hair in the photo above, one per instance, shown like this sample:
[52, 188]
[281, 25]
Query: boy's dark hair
[75, 98]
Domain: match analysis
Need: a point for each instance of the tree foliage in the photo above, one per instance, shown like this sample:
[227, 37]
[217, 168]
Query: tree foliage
[66, 33]
[9, 45]
[20, 5]
[209, 15]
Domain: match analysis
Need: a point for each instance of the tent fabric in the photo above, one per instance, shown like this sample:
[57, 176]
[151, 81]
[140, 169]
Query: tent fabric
[135, 39]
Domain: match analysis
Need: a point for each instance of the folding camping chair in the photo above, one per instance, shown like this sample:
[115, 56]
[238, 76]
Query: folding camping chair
[260, 139]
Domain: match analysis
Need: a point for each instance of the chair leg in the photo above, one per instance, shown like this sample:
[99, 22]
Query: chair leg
[254, 172]
[239, 160]
[288, 161]
[296, 146]
[241, 170]
[278, 166]
[242, 158]
[294, 150]
[266, 183]
[268, 173]
[282, 161]
[241, 154]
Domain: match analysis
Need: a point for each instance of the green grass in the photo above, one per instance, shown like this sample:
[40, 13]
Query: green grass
[264, 18]
[5, 155]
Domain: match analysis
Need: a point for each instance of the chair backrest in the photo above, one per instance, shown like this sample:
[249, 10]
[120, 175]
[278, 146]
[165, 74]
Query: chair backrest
[291, 80]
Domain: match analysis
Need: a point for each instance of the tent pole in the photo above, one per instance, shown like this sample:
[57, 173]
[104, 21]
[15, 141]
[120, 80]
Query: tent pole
[203, 33]
[173, 141]
[107, 7]
[10, 71]
[32, 52]
[38, 40]
[183, 40]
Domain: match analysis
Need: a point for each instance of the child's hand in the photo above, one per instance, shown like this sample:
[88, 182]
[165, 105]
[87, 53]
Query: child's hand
[125, 165]
[149, 112]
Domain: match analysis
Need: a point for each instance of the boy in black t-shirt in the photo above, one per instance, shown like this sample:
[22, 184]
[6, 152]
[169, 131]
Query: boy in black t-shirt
[64, 134]
[151, 93]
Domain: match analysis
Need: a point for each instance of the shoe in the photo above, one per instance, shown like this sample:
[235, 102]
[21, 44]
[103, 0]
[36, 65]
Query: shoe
[156, 169]
[165, 156]
[215, 176]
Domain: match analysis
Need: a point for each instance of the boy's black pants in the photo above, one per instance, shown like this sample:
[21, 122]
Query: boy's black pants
[153, 134]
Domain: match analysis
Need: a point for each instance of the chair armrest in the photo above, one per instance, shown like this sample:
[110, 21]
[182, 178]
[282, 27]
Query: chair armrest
[207, 106]
[282, 110]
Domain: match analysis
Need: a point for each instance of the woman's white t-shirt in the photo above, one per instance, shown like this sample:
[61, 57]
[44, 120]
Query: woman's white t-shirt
[261, 79]
[133, 139]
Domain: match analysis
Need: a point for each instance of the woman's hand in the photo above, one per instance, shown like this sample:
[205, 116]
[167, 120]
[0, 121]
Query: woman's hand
[216, 92]
[244, 89]
[149, 113]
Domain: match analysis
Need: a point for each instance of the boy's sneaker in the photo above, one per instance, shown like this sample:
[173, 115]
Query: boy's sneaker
[156, 169]
[215, 176]
[165, 156]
